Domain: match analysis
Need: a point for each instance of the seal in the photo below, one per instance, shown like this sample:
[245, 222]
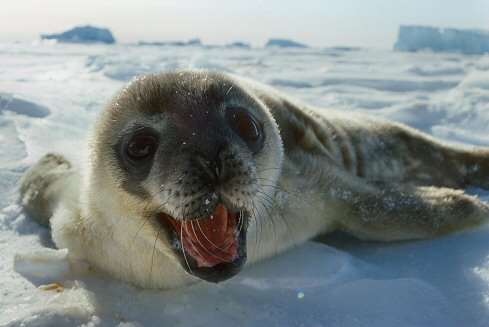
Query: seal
[188, 175]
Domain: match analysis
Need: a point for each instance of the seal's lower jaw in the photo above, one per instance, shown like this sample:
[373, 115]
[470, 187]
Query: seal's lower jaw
[212, 248]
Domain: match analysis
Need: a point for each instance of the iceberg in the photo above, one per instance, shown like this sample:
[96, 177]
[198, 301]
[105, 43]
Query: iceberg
[284, 43]
[193, 42]
[83, 34]
[238, 44]
[415, 38]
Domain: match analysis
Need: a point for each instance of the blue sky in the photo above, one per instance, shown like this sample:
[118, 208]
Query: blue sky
[364, 23]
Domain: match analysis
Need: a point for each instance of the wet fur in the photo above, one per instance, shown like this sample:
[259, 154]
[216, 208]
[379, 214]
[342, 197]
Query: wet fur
[320, 171]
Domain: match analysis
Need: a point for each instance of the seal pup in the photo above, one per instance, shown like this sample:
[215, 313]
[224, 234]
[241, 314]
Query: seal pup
[189, 173]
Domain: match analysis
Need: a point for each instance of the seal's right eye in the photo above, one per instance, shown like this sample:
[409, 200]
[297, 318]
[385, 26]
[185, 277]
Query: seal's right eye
[141, 146]
[246, 126]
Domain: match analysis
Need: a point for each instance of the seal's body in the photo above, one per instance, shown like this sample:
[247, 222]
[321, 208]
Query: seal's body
[188, 173]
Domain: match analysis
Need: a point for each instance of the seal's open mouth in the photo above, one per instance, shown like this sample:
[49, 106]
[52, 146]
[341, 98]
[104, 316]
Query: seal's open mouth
[213, 248]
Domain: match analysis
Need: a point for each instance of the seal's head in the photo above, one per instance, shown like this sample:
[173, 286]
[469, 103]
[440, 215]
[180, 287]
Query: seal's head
[194, 158]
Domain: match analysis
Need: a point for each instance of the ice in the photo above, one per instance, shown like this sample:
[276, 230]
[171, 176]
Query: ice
[238, 44]
[284, 43]
[50, 95]
[83, 34]
[414, 38]
[44, 264]
[192, 42]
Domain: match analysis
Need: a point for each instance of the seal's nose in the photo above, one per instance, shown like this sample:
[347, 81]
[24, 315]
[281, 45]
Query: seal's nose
[215, 166]
[212, 167]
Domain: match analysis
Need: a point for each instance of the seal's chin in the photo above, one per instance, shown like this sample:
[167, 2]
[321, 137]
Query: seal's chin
[212, 248]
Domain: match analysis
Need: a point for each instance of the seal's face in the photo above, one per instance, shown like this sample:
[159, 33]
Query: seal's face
[199, 155]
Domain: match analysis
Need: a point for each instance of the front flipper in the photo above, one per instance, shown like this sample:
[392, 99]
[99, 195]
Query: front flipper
[385, 212]
[44, 184]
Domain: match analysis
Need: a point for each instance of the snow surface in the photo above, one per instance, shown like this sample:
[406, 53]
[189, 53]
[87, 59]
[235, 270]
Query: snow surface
[414, 38]
[49, 95]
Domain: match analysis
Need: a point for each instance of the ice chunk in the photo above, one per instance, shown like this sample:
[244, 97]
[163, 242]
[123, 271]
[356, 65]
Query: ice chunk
[46, 265]
[414, 38]
[83, 34]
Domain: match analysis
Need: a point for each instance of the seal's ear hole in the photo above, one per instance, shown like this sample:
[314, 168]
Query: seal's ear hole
[246, 126]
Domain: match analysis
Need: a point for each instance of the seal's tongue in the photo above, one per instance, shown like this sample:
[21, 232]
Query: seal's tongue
[210, 241]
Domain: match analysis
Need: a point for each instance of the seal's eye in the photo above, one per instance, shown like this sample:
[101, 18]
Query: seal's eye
[246, 126]
[141, 146]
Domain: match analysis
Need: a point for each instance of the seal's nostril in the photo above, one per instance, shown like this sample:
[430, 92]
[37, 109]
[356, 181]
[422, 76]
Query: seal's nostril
[214, 167]
[218, 166]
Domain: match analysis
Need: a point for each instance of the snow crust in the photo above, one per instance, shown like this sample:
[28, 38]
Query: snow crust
[49, 95]
[414, 38]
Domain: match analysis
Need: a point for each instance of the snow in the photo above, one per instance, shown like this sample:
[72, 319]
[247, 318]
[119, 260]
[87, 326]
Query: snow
[50, 94]
[414, 38]
[8, 102]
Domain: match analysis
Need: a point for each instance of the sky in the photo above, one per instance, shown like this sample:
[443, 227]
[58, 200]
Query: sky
[364, 23]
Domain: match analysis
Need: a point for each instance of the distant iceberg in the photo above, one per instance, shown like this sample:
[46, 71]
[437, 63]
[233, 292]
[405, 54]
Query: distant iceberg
[192, 42]
[83, 34]
[414, 38]
[238, 44]
[284, 43]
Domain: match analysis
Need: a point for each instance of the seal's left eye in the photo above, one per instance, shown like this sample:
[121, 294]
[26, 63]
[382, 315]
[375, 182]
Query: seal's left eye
[141, 146]
[246, 127]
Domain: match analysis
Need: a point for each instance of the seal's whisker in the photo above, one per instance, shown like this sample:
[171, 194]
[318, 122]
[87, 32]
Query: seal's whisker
[183, 250]
[274, 205]
[281, 189]
[271, 220]
[281, 168]
[153, 252]
[145, 221]
[151, 200]
[203, 246]
[194, 249]
[214, 245]
[255, 248]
